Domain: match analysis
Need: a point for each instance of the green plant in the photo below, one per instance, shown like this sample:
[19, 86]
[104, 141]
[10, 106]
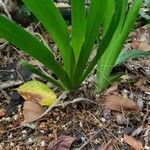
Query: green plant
[109, 58]
[75, 49]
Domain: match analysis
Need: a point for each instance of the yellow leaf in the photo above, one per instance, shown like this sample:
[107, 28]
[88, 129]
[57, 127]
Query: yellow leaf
[38, 92]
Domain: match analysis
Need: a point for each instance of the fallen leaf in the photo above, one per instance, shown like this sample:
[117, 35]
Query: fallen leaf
[137, 145]
[107, 146]
[144, 46]
[112, 89]
[118, 103]
[31, 111]
[62, 143]
[2, 113]
[38, 92]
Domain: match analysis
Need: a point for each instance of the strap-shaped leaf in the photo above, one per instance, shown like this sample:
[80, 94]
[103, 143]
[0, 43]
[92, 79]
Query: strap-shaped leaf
[94, 20]
[52, 20]
[108, 14]
[41, 74]
[78, 25]
[125, 55]
[109, 57]
[107, 38]
[30, 45]
[106, 63]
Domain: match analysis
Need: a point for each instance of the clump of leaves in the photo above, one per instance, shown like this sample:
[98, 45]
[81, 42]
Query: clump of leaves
[75, 49]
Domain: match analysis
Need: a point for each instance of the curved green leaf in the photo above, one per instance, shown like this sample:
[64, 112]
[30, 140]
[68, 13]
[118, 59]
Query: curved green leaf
[52, 20]
[41, 74]
[125, 55]
[78, 25]
[30, 45]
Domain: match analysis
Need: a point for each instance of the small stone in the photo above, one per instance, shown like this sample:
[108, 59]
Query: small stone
[15, 117]
[30, 140]
[43, 143]
[8, 119]
[81, 124]
[103, 119]
[120, 119]
[128, 130]
[10, 136]
[147, 147]
[24, 131]
[12, 144]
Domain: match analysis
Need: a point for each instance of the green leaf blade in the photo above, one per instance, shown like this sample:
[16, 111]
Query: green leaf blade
[78, 13]
[94, 20]
[32, 46]
[41, 74]
[52, 20]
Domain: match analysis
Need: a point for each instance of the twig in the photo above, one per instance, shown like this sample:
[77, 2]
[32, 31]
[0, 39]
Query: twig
[102, 128]
[5, 9]
[9, 84]
[2, 46]
[75, 101]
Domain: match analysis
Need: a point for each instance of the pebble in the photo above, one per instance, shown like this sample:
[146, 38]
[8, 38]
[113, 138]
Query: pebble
[43, 143]
[10, 136]
[147, 147]
[15, 117]
[8, 119]
[12, 144]
[103, 119]
[120, 119]
[30, 140]
[127, 130]
[81, 124]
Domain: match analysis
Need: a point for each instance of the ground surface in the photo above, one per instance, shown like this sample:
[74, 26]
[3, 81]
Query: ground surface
[91, 121]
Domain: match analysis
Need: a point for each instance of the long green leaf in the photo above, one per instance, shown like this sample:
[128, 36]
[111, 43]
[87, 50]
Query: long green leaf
[108, 15]
[125, 55]
[105, 64]
[52, 20]
[94, 20]
[78, 13]
[30, 45]
[109, 58]
[107, 38]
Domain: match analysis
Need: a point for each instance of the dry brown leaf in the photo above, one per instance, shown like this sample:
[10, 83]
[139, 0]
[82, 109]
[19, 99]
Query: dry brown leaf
[31, 111]
[2, 113]
[107, 146]
[63, 143]
[144, 46]
[137, 145]
[118, 103]
[112, 89]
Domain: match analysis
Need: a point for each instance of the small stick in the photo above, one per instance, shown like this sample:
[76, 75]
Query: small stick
[9, 84]
[102, 128]
[5, 9]
[75, 101]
